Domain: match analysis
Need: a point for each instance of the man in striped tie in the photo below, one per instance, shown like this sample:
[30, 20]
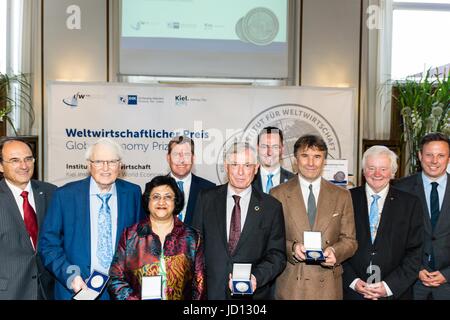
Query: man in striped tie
[389, 231]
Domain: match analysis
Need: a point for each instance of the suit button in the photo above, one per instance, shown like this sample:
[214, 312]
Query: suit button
[33, 277]
[327, 242]
[434, 238]
[373, 253]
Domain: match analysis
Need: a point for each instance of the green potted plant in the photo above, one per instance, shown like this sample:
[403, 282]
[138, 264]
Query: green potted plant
[425, 107]
[14, 94]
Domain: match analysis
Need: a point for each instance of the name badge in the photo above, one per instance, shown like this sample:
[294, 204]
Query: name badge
[151, 288]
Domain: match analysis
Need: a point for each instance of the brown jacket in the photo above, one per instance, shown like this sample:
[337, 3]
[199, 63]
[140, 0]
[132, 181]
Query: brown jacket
[336, 222]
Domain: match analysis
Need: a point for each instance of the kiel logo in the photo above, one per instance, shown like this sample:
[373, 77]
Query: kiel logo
[129, 99]
[73, 101]
[181, 100]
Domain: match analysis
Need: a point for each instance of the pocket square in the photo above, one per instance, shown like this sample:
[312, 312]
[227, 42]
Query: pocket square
[335, 214]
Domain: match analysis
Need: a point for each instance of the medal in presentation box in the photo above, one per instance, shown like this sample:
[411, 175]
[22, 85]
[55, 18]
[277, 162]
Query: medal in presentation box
[95, 285]
[151, 288]
[313, 245]
[240, 280]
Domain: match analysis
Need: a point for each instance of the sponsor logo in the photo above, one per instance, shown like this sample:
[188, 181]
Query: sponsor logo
[181, 100]
[130, 99]
[73, 100]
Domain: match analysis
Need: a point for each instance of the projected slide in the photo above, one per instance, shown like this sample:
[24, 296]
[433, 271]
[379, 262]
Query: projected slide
[258, 22]
[208, 38]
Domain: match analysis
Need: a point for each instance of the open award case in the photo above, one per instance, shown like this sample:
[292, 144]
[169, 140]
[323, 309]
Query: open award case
[313, 245]
[152, 288]
[96, 283]
[240, 280]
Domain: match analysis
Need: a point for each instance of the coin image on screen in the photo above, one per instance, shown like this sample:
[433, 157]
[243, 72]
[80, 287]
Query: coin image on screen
[239, 32]
[241, 286]
[313, 254]
[97, 282]
[260, 26]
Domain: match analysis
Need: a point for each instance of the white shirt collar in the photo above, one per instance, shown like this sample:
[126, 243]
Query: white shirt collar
[265, 172]
[383, 193]
[305, 183]
[16, 190]
[186, 179]
[94, 189]
[243, 194]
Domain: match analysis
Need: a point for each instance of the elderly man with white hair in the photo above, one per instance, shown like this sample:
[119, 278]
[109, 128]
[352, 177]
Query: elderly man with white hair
[389, 231]
[85, 220]
[241, 224]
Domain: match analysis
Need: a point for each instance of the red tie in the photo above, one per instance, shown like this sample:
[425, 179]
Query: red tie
[29, 217]
[235, 225]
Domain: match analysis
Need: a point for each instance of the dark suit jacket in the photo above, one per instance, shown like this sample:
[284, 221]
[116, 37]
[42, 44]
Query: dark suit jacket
[262, 241]
[439, 239]
[65, 239]
[22, 274]
[397, 248]
[197, 184]
[284, 177]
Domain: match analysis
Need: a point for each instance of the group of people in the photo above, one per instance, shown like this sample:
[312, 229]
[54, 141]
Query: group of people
[383, 240]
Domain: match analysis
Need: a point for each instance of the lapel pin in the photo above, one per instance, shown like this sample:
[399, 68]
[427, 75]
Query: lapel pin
[41, 192]
[256, 208]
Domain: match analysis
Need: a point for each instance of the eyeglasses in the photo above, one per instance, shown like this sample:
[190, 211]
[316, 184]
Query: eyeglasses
[100, 163]
[157, 197]
[180, 154]
[274, 147]
[15, 162]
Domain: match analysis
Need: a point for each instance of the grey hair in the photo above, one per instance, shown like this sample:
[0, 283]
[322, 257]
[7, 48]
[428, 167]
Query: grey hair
[381, 150]
[111, 144]
[238, 147]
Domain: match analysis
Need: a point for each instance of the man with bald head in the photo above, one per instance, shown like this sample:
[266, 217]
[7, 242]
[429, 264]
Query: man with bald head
[86, 218]
[23, 203]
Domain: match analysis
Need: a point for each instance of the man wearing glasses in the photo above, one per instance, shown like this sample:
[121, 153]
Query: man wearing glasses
[85, 220]
[270, 151]
[23, 203]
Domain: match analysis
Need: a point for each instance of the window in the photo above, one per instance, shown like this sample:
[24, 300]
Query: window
[420, 37]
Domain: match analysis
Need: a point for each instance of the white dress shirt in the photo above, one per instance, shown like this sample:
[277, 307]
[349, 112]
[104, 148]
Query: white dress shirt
[304, 185]
[243, 203]
[16, 191]
[275, 179]
[186, 189]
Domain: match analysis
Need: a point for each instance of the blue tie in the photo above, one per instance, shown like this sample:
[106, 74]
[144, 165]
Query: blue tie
[104, 228]
[180, 186]
[269, 184]
[374, 217]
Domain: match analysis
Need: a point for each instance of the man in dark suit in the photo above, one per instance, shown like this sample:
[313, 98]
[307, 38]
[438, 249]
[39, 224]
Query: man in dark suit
[85, 220]
[270, 150]
[240, 225]
[389, 232]
[23, 203]
[181, 157]
[432, 186]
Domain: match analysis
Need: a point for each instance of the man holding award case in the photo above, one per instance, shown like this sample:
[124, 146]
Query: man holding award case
[320, 228]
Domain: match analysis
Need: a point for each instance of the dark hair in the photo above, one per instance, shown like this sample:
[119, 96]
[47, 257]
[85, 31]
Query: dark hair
[164, 181]
[5, 140]
[180, 140]
[310, 141]
[434, 136]
[269, 130]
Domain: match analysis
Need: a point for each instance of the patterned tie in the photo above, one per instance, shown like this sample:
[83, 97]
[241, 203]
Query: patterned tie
[181, 187]
[434, 211]
[104, 228]
[269, 184]
[374, 217]
[29, 217]
[312, 209]
[235, 225]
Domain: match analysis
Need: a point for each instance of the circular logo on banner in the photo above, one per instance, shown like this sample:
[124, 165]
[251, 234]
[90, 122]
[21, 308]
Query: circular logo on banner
[295, 121]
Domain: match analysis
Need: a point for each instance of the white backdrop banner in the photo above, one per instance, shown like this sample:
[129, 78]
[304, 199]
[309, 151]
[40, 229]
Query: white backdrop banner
[143, 119]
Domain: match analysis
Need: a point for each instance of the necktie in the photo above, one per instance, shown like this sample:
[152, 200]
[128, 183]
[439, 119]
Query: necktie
[434, 204]
[29, 217]
[374, 217]
[104, 228]
[235, 225]
[434, 211]
[312, 209]
[269, 184]
[180, 186]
